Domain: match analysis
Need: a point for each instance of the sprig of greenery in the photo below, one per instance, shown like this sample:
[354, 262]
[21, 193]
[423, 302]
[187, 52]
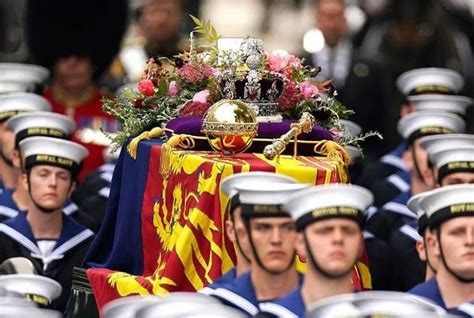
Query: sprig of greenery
[209, 35]
[356, 140]
[208, 31]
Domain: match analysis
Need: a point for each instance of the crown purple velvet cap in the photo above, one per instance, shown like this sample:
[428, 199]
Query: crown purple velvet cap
[192, 126]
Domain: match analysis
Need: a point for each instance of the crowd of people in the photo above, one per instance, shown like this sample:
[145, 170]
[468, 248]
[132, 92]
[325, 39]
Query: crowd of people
[407, 74]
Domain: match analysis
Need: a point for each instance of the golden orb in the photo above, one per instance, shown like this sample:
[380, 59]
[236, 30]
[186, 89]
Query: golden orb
[230, 126]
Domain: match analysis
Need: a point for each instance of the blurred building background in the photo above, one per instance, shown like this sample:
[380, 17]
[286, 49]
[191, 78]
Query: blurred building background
[281, 23]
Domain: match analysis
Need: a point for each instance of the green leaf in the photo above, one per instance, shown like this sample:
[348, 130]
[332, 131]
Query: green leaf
[163, 87]
[196, 21]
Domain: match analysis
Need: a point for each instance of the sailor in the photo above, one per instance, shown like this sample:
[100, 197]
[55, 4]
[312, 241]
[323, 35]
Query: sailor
[402, 229]
[425, 252]
[412, 127]
[271, 235]
[412, 84]
[10, 105]
[53, 241]
[450, 212]
[329, 220]
[235, 228]
[453, 164]
[15, 200]
[28, 125]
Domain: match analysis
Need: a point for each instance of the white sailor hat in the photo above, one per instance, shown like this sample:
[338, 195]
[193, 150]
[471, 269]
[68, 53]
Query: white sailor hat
[414, 206]
[186, 309]
[354, 152]
[263, 199]
[228, 185]
[453, 159]
[328, 201]
[448, 202]
[350, 128]
[17, 77]
[127, 307]
[188, 304]
[42, 290]
[41, 124]
[430, 80]
[53, 151]
[14, 103]
[16, 301]
[21, 312]
[446, 141]
[447, 103]
[375, 304]
[424, 123]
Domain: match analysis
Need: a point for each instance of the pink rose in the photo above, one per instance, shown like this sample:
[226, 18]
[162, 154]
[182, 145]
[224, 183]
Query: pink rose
[278, 60]
[201, 97]
[146, 87]
[173, 89]
[307, 90]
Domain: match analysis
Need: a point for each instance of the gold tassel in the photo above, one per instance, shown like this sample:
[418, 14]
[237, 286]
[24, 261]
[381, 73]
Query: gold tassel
[133, 145]
[337, 153]
[182, 141]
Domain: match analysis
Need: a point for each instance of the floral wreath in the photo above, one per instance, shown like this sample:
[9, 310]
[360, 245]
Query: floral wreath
[191, 82]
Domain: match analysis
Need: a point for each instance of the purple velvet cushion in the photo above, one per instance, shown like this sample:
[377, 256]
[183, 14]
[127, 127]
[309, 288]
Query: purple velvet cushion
[192, 126]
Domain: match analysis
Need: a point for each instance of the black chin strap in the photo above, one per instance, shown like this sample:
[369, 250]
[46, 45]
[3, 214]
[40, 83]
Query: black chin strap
[237, 241]
[257, 258]
[314, 263]
[427, 257]
[443, 259]
[417, 166]
[5, 159]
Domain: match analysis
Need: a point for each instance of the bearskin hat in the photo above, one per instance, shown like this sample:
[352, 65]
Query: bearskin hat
[87, 28]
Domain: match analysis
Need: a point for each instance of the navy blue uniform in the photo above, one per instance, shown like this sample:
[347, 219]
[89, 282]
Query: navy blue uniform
[240, 294]
[390, 217]
[465, 310]
[92, 195]
[8, 207]
[290, 306]
[224, 279]
[17, 240]
[430, 290]
[409, 269]
[387, 165]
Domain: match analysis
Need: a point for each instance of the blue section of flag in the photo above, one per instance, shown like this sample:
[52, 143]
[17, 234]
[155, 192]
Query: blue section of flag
[118, 244]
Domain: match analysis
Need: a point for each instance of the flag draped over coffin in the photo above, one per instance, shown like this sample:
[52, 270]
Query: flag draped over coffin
[167, 232]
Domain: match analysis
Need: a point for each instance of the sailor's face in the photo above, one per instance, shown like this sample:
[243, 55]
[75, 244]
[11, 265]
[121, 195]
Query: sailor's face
[457, 244]
[421, 158]
[458, 178]
[433, 258]
[8, 144]
[274, 240]
[50, 186]
[335, 244]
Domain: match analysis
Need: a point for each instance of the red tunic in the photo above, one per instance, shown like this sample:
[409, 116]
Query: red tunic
[89, 118]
